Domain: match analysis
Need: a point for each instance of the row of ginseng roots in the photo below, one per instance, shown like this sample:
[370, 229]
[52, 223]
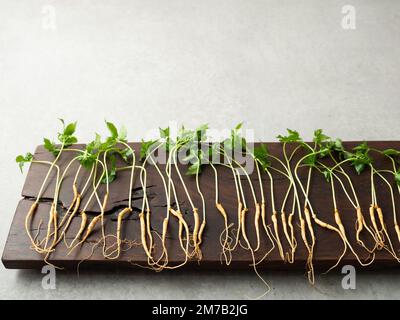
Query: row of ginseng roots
[99, 158]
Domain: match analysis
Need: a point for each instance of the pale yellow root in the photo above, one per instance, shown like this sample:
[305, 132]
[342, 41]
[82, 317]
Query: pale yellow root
[88, 232]
[311, 251]
[148, 229]
[81, 228]
[185, 226]
[51, 217]
[244, 234]
[383, 227]
[276, 230]
[72, 215]
[338, 221]
[201, 232]
[200, 240]
[257, 225]
[121, 217]
[310, 272]
[360, 225]
[240, 208]
[268, 231]
[75, 191]
[375, 226]
[180, 235]
[163, 240]
[332, 228]
[290, 238]
[196, 235]
[243, 223]
[196, 227]
[396, 227]
[28, 217]
[225, 245]
[143, 236]
[55, 233]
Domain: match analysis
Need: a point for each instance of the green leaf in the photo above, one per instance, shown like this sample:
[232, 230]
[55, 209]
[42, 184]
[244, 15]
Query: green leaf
[126, 154]
[94, 146]
[327, 175]
[359, 167]
[164, 133]
[22, 160]
[319, 137]
[70, 129]
[201, 132]
[51, 147]
[338, 146]
[48, 145]
[62, 122]
[391, 152]
[87, 160]
[193, 169]
[112, 173]
[363, 147]
[397, 177]
[293, 136]
[239, 126]
[311, 159]
[145, 148]
[261, 154]
[113, 130]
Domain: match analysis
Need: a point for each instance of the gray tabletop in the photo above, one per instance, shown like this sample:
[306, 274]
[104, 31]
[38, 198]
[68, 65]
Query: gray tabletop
[272, 64]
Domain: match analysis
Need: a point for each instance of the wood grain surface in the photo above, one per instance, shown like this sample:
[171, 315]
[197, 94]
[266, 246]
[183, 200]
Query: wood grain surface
[18, 255]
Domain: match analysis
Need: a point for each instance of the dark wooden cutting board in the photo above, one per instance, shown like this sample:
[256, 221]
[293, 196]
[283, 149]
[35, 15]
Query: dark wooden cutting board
[18, 255]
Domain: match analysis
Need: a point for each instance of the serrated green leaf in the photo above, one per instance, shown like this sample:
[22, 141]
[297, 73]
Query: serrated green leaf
[293, 136]
[113, 130]
[311, 159]
[391, 152]
[319, 137]
[22, 160]
[145, 148]
[363, 147]
[70, 129]
[261, 154]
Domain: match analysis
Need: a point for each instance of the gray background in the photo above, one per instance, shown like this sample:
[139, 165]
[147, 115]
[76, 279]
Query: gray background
[272, 64]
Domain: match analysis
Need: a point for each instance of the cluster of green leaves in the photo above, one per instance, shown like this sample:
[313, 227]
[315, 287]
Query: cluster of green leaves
[360, 158]
[89, 155]
[146, 148]
[66, 138]
[23, 159]
[291, 137]
[110, 146]
[190, 141]
[261, 154]
[235, 142]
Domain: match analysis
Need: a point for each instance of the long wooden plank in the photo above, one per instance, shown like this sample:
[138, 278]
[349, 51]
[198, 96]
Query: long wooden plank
[18, 255]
